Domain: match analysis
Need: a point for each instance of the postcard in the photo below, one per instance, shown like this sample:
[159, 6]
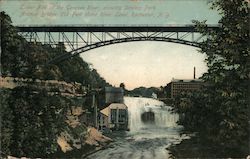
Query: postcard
[149, 79]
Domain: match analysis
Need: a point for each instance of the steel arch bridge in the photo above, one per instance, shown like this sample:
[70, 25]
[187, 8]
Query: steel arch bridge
[79, 39]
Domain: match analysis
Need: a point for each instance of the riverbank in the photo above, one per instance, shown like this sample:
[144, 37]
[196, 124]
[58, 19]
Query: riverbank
[81, 153]
[94, 142]
[198, 147]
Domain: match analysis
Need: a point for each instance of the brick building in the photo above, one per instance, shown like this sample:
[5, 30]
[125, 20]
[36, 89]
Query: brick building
[179, 85]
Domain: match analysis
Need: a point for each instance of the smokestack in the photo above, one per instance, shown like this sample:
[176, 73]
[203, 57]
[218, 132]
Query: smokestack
[194, 72]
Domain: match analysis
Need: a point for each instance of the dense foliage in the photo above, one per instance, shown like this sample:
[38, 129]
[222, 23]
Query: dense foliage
[36, 122]
[20, 58]
[6, 118]
[144, 92]
[31, 121]
[220, 112]
[31, 118]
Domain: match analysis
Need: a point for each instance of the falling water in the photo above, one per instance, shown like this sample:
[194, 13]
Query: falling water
[138, 106]
[144, 140]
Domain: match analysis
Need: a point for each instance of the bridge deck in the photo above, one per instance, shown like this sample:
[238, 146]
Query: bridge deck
[190, 28]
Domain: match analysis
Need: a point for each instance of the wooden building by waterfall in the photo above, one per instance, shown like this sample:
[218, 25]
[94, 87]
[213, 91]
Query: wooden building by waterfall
[114, 117]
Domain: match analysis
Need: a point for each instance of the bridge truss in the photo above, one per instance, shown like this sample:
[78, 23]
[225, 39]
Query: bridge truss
[79, 39]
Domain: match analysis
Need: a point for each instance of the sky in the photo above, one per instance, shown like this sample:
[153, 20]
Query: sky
[135, 63]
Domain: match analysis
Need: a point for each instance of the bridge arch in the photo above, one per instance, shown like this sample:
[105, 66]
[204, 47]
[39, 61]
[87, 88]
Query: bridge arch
[98, 36]
[117, 41]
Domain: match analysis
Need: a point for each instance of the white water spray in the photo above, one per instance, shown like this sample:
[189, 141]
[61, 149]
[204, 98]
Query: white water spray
[147, 141]
[137, 106]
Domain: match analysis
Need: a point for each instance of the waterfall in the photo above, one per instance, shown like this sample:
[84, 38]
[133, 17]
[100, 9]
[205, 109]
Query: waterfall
[137, 106]
[146, 139]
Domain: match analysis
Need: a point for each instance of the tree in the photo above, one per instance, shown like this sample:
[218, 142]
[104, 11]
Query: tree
[224, 115]
[122, 85]
[6, 122]
[11, 44]
[36, 122]
[28, 60]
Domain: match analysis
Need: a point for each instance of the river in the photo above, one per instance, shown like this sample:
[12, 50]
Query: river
[144, 140]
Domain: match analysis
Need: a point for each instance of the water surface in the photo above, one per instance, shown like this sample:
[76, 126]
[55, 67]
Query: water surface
[144, 140]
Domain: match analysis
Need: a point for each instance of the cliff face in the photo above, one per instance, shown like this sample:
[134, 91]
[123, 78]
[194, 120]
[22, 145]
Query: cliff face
[52, 86]
[73, 137]
[95, 138]
[64, 125]
[78, 135]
